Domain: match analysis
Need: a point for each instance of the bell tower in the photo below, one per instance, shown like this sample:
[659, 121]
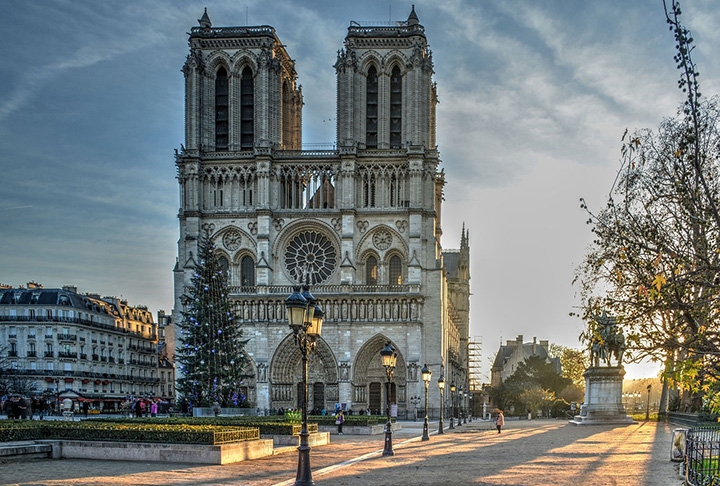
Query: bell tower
[385, 94]
[240, 91]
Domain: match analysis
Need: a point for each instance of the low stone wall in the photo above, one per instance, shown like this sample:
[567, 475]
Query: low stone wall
[187, 453]
[314, 439]
[359, 430]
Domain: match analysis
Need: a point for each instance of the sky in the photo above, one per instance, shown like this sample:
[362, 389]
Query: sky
[534, 99]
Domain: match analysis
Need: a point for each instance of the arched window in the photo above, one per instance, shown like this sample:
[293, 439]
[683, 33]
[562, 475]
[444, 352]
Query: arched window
[395, 270]
[395, 108]
[247, 272]
[371, 109]
[247, 110]
[223, 264]
[221, 109]
[371, 269]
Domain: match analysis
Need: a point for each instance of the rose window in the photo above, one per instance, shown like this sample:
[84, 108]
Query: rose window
[310, 253]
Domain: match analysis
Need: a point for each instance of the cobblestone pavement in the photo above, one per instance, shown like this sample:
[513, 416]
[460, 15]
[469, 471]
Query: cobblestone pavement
[536, 452]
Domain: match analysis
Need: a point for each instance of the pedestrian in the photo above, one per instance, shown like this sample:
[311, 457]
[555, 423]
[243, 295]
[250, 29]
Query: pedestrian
[154, 408]
[500, 421]
[86, 408]
[340, 420]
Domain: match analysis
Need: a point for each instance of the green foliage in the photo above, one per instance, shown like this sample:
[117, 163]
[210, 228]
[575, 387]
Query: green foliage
[125, 432]
[211, 356]
[534, 385]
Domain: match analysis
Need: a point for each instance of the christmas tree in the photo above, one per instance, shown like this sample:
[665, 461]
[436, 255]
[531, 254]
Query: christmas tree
[211, 352]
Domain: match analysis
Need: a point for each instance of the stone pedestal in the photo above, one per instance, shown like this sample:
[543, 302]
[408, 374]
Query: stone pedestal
[603, 398]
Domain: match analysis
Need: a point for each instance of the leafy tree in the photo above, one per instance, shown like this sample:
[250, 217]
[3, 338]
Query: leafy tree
[211, 354]
[533, 373]
[573, 361]
[655, 262]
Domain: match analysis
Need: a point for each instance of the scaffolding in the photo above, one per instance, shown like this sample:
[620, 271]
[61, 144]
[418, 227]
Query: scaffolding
[474, 364]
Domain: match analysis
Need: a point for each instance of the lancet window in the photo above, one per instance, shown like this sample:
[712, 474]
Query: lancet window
[371, 109]
[247, 110]
[395, 108]
[221, 109]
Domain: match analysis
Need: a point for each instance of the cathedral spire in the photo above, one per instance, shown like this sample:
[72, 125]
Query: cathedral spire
[413, 18]
[464, 237]
[205, 20]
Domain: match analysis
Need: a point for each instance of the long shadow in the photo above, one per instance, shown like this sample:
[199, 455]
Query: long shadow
[539, 453]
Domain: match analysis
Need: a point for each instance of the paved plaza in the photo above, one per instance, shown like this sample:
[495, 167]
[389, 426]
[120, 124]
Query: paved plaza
[535, 452]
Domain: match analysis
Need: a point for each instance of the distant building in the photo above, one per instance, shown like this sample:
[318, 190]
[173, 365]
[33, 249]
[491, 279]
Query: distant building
[98, 348]
[510, 356]
[166, 353]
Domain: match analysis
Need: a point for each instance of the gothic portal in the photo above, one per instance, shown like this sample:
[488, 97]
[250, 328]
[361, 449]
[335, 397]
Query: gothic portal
[362, 221]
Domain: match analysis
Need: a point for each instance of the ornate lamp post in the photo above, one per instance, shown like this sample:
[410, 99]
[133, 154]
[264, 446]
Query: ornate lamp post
[459, 405]
[305, 320]
[465, 406]
[647, 409]
[426, 376]
[441, 386]
[472, 408]
[452, 403]
[389, 360]
[415, 400]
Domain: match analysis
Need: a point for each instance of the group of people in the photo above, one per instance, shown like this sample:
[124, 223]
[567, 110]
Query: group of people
[20, 407]
[142, 407]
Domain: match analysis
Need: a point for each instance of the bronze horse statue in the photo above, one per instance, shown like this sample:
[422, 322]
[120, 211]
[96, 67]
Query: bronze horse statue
[607, 341]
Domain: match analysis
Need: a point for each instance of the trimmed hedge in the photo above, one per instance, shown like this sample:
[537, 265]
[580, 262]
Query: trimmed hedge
[92, 430]
[266, 425]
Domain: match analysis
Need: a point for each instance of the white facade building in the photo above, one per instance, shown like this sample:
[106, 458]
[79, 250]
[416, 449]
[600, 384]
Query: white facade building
[101, 349]
[361, 221]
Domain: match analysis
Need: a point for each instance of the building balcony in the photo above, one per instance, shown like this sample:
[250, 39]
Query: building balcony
[67, 337]
[12, 336]
[49, 354]
[32, 354]
[12, 354]
[63, 354]
[83, 355]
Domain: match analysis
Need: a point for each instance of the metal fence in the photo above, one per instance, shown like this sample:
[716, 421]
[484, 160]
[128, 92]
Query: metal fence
[702, 460]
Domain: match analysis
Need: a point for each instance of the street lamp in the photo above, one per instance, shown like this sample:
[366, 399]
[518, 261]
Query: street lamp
[465, 414]
[472, 408]
[647, 410]
[452, 403]
[389, 360]
[305, 320]
[441, 386]
[426, 376]
[459, 405]
[415, 400]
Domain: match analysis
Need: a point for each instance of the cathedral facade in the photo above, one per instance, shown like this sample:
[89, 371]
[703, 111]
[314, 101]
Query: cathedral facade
[360, 222]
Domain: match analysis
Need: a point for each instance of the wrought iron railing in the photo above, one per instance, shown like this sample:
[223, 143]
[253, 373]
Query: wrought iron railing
[702, 457]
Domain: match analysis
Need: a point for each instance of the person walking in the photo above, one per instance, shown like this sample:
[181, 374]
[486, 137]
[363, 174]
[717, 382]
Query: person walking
[340, 420]
[154, 408]
[500, 421]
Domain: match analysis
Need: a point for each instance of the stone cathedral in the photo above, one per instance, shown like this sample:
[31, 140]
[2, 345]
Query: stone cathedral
[362, 222]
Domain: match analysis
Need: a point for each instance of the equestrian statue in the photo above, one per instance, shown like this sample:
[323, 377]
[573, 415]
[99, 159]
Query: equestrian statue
[607, 341]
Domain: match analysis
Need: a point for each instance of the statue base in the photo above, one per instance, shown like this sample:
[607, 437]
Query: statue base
[603, 398]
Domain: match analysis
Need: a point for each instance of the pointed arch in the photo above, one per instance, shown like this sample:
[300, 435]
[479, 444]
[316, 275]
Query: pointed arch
[372, 92]
[247, 109]
[396, 107]
[286, 375]
[368, 363]
[222, 108]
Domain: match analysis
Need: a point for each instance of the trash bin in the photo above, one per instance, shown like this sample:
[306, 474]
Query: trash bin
[677, 445]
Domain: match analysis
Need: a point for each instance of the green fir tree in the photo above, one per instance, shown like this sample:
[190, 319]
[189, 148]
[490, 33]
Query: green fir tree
[211, 352]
